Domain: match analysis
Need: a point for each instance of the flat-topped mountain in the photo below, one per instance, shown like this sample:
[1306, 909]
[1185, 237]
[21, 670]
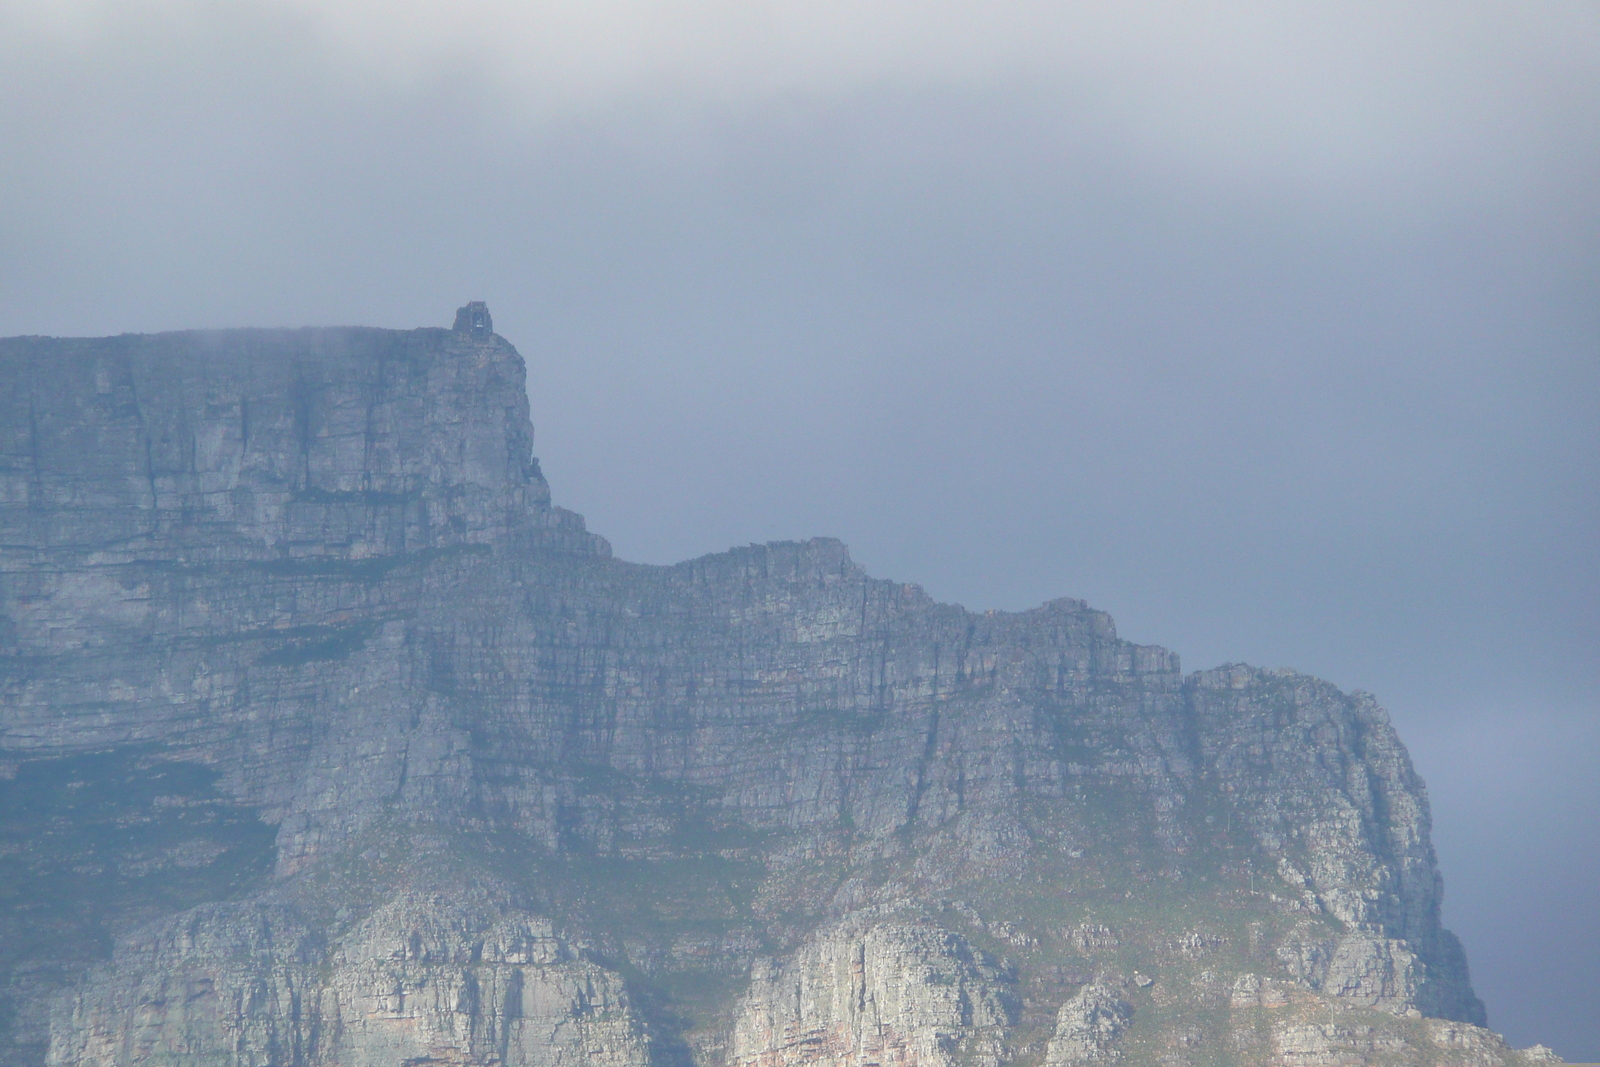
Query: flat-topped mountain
[325, 739]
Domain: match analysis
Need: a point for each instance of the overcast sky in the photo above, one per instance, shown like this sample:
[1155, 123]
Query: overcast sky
[1272, 328]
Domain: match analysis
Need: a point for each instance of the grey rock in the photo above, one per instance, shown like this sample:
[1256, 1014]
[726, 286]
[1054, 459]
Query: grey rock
[216, 984]
[1088, 1026]
[869, 993]
[326, 739]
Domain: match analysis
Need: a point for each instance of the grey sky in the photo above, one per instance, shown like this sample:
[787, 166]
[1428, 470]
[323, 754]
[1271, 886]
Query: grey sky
[1271, 328]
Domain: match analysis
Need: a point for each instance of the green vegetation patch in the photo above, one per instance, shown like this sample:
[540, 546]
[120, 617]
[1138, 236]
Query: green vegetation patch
[308, 644]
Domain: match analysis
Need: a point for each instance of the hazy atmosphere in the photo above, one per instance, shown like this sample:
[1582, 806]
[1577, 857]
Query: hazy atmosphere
[1273, 329]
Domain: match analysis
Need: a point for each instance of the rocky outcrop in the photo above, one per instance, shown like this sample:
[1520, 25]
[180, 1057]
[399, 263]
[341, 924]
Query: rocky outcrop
[1334, 1043]
[1088, 1026]
[427, 977]
[890, 992]
[325, 739]
[1329, 792]
[217, 984]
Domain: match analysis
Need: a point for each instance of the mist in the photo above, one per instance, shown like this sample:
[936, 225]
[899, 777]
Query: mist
[1271, 329]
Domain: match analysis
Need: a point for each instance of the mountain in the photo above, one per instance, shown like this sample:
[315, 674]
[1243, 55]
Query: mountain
[326, 739]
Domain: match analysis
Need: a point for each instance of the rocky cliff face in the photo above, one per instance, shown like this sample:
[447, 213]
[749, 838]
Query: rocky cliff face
[326, 740]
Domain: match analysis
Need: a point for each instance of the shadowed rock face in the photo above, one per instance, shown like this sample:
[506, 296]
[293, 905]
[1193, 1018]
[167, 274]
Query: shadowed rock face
[327, 740]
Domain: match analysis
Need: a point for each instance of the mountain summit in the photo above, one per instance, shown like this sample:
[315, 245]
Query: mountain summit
[326, 740]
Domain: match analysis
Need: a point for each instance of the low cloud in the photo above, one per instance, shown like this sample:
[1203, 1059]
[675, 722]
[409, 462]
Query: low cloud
[1353, 98]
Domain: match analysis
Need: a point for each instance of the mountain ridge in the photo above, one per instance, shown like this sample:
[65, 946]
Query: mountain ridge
[531, 804]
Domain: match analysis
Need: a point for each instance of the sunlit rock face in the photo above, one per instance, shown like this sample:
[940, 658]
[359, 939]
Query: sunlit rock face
[325, 739]
[867, 992]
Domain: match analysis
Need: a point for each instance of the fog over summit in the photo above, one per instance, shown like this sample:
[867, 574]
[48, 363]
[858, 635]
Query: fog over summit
[1269, 329]
[1371, 99]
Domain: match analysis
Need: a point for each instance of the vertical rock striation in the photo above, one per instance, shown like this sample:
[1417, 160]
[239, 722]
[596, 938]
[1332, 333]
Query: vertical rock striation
[325, 739]
[860, 993]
